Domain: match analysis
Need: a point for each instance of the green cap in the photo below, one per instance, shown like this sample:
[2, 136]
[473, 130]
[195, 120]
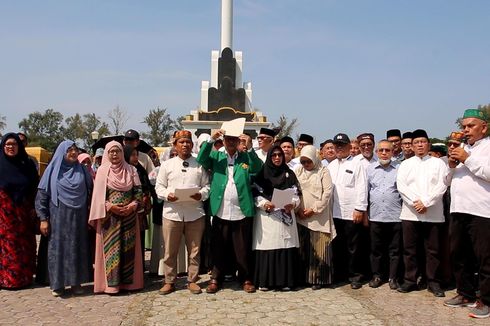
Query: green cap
[475, 113]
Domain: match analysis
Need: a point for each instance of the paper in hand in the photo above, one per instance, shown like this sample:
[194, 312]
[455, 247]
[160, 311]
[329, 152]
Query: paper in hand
[281, 198]
[184, 194]
[234, 127]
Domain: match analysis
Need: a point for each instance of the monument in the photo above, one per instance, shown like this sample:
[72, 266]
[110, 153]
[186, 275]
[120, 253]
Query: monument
[225, 96]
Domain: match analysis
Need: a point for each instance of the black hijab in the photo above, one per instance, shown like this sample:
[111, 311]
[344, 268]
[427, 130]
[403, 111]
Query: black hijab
[272, 176]
[18, 174]
[142, 174]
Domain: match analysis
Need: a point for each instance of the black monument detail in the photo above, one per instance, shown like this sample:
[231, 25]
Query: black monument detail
[226, 95]
[226, 102]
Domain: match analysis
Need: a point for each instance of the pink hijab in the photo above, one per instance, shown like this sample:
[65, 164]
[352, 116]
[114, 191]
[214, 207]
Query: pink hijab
[82, 157]
[120, 177]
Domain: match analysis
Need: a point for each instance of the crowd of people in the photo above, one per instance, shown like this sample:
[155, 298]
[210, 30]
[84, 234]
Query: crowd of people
[280, 215]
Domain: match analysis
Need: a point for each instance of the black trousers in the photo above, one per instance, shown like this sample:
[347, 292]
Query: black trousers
[429, 233]
[470, 253]
[232, 234]
[386, 249]
[347, 251]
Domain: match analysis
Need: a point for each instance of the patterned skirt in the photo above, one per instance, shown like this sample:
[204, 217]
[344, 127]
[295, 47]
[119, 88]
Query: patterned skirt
[17, 244]
[316, 256]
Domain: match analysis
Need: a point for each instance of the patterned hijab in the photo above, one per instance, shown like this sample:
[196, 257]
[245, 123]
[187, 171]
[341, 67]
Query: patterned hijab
[65, 181]
[18, 174]
[120, 177]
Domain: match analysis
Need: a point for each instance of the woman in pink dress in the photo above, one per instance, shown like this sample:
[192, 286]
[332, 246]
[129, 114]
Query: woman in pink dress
[115, 202]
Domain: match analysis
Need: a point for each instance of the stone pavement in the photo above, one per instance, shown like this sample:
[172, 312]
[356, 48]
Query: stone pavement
[231, 306]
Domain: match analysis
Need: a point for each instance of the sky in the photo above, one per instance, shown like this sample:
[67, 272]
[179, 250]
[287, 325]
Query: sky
[335, 65]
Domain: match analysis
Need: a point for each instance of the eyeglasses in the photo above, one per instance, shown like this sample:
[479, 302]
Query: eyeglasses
[366, 145]
[11, 145]
[114, 152]
[305, 162]
[451, 144]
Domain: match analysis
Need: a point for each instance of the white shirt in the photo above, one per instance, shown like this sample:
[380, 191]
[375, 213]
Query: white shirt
[261, 154]
[350, 187]
[146, 162]
[364, 161]
[470, 182]
[230, 206]
[173, 175]
[422, 179]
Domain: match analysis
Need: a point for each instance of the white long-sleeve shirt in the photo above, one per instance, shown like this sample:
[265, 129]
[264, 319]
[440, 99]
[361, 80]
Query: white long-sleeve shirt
[422, 179]
[350, 187]
[470, 182]
[174, 175]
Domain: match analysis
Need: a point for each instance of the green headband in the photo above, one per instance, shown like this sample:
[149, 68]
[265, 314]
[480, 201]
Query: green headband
[475, 113]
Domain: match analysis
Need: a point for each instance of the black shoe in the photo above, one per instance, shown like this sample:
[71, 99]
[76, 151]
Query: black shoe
[375, 282]
[407, 287]
[421, 283]
[355, 285]
[393, 284]
[436, 290]
[316, 287]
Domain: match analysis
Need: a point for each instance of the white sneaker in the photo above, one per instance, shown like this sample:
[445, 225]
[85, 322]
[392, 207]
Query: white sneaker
[57, 293]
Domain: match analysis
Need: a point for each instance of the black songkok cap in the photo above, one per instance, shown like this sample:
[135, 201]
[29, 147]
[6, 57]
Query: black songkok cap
[420, 133]
[267, 131]
[287, 139]
[407, 134]
[306, 138]
[393, 133]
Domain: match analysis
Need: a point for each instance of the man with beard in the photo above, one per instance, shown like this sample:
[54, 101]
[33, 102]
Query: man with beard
[385, 206]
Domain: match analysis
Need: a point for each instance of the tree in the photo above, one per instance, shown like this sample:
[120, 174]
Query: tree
[3, 123]
[79, 129]
[44, 129]
[161, 127]
[118, 119]
[284, 126]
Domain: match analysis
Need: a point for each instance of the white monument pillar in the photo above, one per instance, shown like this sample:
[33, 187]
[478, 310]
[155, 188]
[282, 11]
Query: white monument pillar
[226, 24]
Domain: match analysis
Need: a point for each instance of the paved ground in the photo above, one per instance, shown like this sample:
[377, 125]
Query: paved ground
[231, 306]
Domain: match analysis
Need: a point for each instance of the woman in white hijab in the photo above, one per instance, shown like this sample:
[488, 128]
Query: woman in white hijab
[315, 224]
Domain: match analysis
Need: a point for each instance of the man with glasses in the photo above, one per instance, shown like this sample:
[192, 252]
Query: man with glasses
[385, 206]
[407, 145]
[265, 139]
[469, 177]
[303, 140]
[349, 207]
[366, 144]
[395, 137]
[420, 181]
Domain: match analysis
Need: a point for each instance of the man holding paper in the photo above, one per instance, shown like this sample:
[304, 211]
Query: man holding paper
[231, 203]
[183, 184]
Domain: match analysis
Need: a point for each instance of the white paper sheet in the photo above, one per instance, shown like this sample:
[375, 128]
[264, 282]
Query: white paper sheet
[281, 198]
[234, 127]
[184, 194]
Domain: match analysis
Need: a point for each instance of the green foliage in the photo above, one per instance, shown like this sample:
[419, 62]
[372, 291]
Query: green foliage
[286, 127]
[161, 127]
[44, 129]
[47, 129]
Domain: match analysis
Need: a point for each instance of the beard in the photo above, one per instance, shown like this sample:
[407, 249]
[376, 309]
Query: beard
[384, 162]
